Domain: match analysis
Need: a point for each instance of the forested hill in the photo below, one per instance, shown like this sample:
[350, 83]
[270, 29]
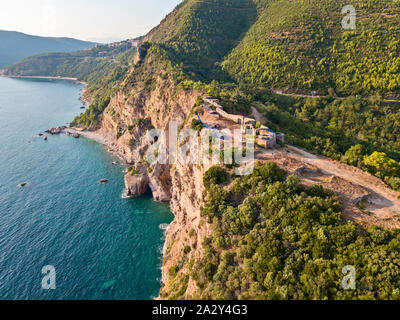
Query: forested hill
[84, 65]
[301, 45]
[201, 33]
[297, 45]
[294, 45]
[15, 46]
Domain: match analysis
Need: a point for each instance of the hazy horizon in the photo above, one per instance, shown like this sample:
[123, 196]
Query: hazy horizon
[89, 20]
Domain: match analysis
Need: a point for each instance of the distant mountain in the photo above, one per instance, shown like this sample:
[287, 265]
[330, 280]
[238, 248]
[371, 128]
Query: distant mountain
[15, 46]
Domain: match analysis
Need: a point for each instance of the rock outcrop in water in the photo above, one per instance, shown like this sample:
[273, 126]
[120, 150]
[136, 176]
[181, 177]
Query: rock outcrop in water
[56, 130]
[136, 185]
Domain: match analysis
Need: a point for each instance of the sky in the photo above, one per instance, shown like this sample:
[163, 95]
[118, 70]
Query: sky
[94, 20]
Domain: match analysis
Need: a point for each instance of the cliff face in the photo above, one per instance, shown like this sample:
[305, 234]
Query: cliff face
[125, 122]
[185, 234]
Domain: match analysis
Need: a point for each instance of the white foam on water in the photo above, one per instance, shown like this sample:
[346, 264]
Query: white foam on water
[124, 196]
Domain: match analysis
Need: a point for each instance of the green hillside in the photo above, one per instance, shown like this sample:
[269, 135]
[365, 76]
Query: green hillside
[284, 241]
[201, 33]
[297, 46]
[81, 64]
[301, 46]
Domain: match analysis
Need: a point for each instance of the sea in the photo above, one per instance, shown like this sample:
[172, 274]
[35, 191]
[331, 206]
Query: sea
[64, 235]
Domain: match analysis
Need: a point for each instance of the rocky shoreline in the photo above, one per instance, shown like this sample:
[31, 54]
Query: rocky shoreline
[135, 186]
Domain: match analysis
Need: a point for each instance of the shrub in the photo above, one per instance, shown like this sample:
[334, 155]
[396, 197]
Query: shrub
[132, 171]
[173, 271]
[281, 241]
[215, 175]
[317, 191]
[196, 125]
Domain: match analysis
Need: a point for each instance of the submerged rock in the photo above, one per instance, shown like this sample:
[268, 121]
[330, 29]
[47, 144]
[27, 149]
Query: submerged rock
[108, 284]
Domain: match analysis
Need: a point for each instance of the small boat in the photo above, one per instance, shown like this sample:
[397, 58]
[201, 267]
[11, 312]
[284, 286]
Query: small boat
[115, 163]
[45, 138]
[103, 180]
[23, 184]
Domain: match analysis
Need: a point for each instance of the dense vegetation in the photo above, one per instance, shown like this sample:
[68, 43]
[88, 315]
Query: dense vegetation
[200, 33]
[275, 239]
[292, 45]
[85, 65]
[360, 132]
[301, 46]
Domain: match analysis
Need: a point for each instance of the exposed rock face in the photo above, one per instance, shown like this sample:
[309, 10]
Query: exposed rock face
[180, 185]
[136, 186]
[188, 227]
[141, 54]
[160, 183]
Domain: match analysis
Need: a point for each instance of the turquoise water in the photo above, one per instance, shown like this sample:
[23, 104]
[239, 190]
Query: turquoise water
[101, 245]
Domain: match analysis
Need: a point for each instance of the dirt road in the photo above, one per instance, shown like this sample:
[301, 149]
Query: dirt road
[381, 206]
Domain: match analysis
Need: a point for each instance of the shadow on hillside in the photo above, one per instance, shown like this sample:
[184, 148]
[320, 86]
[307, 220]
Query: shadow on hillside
[212, 30]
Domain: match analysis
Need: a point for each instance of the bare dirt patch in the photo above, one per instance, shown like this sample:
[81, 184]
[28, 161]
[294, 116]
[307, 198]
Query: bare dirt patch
[365, 198]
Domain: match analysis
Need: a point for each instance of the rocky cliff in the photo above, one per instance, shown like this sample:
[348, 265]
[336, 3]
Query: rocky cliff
[132, 111]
